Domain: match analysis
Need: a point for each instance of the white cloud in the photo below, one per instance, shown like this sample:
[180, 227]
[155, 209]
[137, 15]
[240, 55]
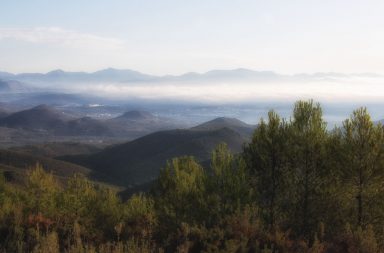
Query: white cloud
[355, 89]
[61, 37]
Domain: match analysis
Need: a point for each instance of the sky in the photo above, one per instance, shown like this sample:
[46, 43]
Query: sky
[172, 36]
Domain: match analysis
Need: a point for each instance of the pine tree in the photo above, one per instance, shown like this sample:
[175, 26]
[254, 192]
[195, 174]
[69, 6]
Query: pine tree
[42, 190]
[266, 160]
[364, 165]
[180, 193]
[228, 186]
[307, 155]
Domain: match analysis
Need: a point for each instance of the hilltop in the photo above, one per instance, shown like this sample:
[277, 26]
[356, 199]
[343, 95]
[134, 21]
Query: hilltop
[239, 126]
[139, 161]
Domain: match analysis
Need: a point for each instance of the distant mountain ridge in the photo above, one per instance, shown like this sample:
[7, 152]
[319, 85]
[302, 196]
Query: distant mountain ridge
[47, 119]
[11, 86]
[39, 117]
[139, 123]
[127, 75]
[234, 124]
[136, 115]
[110, 74]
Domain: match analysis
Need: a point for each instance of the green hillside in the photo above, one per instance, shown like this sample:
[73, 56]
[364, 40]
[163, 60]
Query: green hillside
[139, 161]
[24, 161]
[54, 149]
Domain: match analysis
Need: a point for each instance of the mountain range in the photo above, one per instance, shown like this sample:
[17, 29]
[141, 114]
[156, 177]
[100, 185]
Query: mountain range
[46, 119]
[127, 75]
[131, 164]
[12, 86]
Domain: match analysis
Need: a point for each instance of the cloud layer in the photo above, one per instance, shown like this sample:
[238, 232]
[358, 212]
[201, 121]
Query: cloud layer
[364, 90]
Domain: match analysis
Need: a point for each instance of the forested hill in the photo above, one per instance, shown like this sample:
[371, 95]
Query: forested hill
[15, 164]
[139, 161]
[294, 188]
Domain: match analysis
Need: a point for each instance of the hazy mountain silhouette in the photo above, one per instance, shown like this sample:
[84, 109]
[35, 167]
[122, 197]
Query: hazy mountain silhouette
[139, 123]
[6, 75]
[239, 126]
[41, 117]
[87, 126]
[4, 86]
[136, 115]
[11, 86]
[110, 74]
[127, 75]
[47, 119]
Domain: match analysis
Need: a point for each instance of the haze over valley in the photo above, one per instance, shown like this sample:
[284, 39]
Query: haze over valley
[192, 98]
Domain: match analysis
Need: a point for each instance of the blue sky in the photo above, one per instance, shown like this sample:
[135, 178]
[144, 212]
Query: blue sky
[173, 36]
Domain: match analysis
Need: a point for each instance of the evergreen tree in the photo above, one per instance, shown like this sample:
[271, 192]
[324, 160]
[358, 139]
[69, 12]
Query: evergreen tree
[180, 193]
[42, 191]
[307, 161]
[2, 187]
[228, 187]
[266, 158]
[364, 166]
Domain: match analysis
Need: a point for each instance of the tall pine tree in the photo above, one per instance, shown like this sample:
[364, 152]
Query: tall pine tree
[266, 160]
[363, 143]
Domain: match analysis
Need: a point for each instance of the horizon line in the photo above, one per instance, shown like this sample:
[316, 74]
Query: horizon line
[194, 72]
